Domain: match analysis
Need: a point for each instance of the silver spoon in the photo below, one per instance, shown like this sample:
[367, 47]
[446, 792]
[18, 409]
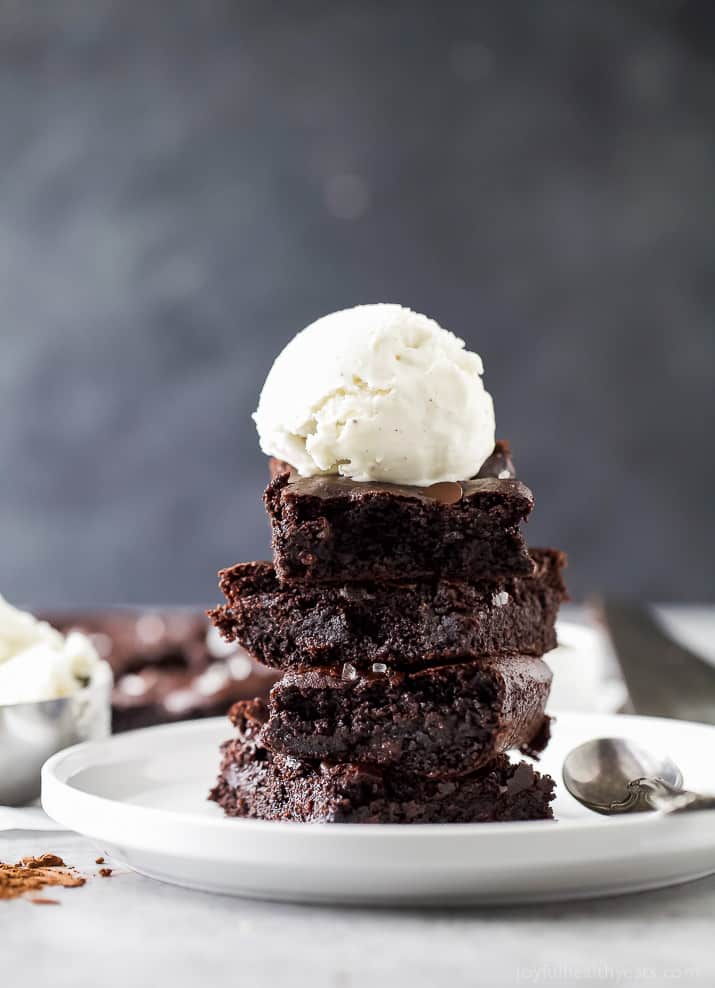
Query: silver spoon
[614, 775]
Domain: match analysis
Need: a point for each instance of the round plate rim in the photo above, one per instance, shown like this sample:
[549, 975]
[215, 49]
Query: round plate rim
[54, 783]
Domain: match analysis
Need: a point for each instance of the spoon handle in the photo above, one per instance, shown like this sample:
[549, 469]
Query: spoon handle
[667, 799]
[684, 802]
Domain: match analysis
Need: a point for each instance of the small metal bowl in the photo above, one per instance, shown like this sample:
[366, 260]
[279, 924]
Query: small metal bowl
[31, 732]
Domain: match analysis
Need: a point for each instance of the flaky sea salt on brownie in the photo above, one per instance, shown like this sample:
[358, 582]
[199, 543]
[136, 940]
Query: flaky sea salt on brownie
[334, 530]
[442, 722]
[407, 625]
[254, 783]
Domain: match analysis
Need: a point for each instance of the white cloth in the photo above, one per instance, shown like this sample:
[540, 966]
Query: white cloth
[26, 818]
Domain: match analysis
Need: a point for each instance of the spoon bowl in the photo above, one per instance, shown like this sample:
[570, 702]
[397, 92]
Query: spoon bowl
[603, 775]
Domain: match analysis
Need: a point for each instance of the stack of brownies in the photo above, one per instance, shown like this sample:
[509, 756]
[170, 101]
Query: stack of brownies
[409, 624]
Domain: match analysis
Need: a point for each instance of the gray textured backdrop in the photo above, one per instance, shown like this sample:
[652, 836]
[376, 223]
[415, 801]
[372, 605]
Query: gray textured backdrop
[185, 185]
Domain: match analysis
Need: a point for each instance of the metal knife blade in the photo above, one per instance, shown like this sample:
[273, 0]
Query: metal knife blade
[663, 677]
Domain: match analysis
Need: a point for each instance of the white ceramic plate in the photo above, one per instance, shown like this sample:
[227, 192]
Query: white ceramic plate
[141, 797]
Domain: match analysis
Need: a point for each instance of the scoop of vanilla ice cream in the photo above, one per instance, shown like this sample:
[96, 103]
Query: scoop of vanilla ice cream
[39, 663]
[377, 393]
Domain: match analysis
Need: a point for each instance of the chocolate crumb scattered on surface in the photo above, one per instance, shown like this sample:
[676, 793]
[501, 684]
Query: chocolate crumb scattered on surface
[43, 861]
[105, 872]
[32, 874]
[41, 901]
[99, 860]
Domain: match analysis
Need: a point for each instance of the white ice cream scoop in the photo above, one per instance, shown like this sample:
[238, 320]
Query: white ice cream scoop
[377, 393]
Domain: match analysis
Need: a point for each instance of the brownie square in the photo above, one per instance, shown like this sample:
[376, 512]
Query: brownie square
[254, 783]
[332, 530]
[407, 625]
[442, 722]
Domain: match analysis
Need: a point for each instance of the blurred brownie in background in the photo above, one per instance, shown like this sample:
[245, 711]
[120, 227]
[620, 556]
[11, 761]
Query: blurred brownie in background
[168, 665]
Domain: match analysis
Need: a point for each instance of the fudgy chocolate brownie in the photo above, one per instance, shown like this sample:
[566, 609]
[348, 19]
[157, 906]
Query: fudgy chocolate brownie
[255, 783]
[406, 625]
[442, 722]
[333, 530]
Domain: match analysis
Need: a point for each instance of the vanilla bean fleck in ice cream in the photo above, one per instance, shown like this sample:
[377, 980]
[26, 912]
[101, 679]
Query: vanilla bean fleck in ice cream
[377, 393]
[37, 662]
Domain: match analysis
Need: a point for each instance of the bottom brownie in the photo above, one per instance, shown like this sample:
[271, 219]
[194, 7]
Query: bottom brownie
[254, 783]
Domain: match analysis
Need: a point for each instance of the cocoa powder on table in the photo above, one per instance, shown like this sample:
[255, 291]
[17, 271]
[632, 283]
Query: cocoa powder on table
[43, 861]
[35, 874]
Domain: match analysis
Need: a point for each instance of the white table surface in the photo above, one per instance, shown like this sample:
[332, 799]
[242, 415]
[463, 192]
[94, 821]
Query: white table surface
[129, 931]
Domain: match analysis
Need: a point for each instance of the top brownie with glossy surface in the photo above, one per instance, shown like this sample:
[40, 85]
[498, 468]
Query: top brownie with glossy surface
[335, 530]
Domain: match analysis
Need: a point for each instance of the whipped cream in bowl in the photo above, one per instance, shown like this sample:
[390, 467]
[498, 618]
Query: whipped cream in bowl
[54, 691]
